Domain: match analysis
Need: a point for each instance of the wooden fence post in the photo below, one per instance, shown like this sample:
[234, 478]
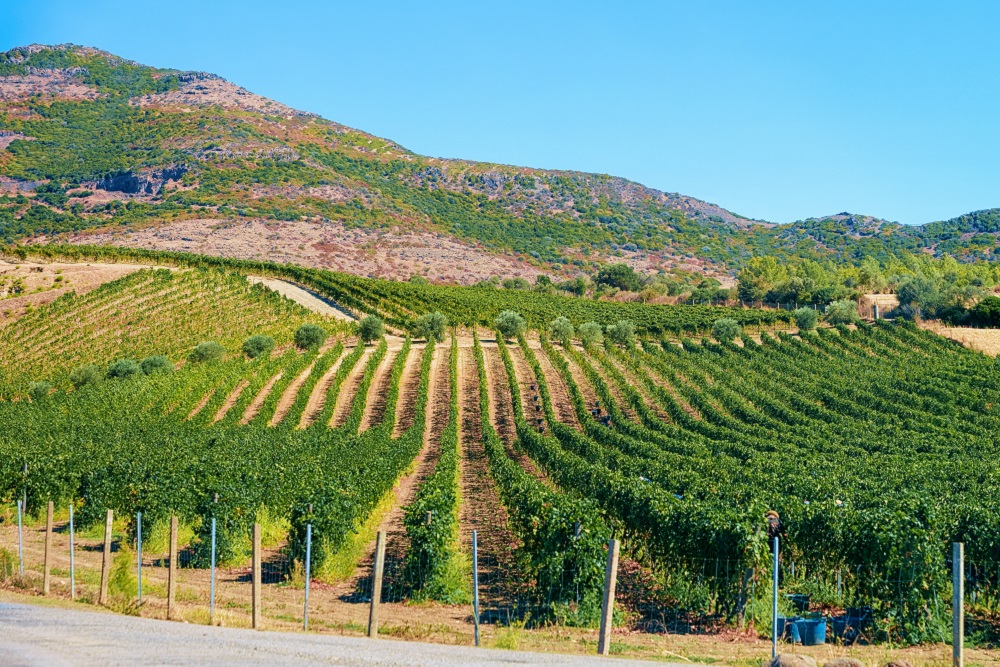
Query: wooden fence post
[608, 605]
[958, 604]
[46, 576]
[172, 570]
[106, 563]
[376, 584]
[255, 593]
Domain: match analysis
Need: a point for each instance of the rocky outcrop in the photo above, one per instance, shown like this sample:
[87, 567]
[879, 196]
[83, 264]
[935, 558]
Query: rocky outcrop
[150, 183]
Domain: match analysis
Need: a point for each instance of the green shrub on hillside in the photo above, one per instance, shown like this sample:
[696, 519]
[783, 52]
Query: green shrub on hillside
[561, 330]
[156, 364]
[622, 333]
[86, 375]
[844, 311]
[206, 351]
[39, 391]
[309, 336]
[806, 318]
[510, 324]
[256, 345]
[431, 326]
[725, 329]
[591, 333]
[371, 329]
[124, 369]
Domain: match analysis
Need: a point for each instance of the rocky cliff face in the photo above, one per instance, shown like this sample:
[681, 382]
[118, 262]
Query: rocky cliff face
[147, 183]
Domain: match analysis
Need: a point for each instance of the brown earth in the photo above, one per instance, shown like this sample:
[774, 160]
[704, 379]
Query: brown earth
[983, 340]
[330, 245]
[45, 282]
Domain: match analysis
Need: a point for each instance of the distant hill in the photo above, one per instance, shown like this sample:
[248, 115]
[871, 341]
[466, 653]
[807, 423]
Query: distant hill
[99, 149]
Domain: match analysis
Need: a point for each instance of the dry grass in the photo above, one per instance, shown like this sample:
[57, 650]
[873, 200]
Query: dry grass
[982, 340]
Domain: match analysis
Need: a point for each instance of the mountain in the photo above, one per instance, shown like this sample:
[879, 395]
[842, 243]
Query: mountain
[98, 149]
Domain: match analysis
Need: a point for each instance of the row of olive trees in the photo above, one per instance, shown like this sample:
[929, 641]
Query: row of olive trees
[839, 312]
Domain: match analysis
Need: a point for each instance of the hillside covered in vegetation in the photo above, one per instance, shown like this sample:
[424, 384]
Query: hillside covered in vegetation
[91, 141]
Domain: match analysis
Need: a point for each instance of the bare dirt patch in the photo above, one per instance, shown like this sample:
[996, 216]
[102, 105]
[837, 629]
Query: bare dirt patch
[378, 392]
[27, 285]
[288, 398]
[982, 340]
[329, 245]
[258, 400]
[305, 298]
[317, 399]
[234, 396]
[349, 388]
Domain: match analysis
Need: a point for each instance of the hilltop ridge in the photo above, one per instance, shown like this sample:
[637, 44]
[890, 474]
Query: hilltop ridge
[99, 149]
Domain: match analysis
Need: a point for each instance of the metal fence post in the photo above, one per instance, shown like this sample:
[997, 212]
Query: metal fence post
[106, 561]
[172, 569]
[138, 554]
[211, 601]
[774, 601]
[305, 610]
[475, 584]
[958, 604]
[47, 572]
[20, 540]
[608, 604]
[255, 591]
[376, 584]
[72, 560]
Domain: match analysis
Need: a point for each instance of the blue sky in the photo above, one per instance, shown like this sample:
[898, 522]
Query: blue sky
[774, 110]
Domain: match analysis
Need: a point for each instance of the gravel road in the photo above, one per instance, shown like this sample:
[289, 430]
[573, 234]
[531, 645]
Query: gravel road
[32, 635]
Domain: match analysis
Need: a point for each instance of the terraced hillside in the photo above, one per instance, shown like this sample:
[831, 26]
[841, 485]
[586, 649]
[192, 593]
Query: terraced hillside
[876, 444]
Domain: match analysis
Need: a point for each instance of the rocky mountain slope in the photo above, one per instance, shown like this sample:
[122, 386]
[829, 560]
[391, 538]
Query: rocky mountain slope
[94, 148]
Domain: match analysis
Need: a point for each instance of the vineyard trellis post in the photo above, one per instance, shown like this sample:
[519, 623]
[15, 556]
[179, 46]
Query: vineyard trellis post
[255, 591]
[72, 558]
[211, 599]
[958, 604]
[47, 572]
[376, 584]
[774, 600]
[475, 585]
[305, 610]
[106, 560]
[138, 556]
[172, 569]
[20, 540]
[608, 604]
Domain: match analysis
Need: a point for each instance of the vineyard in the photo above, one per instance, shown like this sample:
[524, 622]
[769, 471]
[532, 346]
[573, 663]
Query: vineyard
[875, 443]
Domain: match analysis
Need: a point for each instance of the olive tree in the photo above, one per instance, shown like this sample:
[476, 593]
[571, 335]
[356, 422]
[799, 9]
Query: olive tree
[510, 324]
[725, 329]
[371, 329]
[805, 318]
[621, 333]
[309, 336]
[591, 333]
[561, 330]
[430, 327]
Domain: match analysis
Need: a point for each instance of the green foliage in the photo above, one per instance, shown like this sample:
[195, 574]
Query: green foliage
[434, 562]
[85, 376]
[591, 333]
[621, 276]
[430, 327]
[156, 363]
[258, 344]
[726, 329]
[621, 333]
[123, 369]
[206, 351]
[987, 312]
[39, 391]
[309, 336]
[509, 323]
[371, 329]
[561, 329]
[842, 312]
[806, 318]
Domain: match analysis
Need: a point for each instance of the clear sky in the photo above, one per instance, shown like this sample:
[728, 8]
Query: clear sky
[773, 110]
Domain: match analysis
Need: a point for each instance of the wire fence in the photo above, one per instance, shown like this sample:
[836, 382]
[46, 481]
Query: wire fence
[694, 596]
